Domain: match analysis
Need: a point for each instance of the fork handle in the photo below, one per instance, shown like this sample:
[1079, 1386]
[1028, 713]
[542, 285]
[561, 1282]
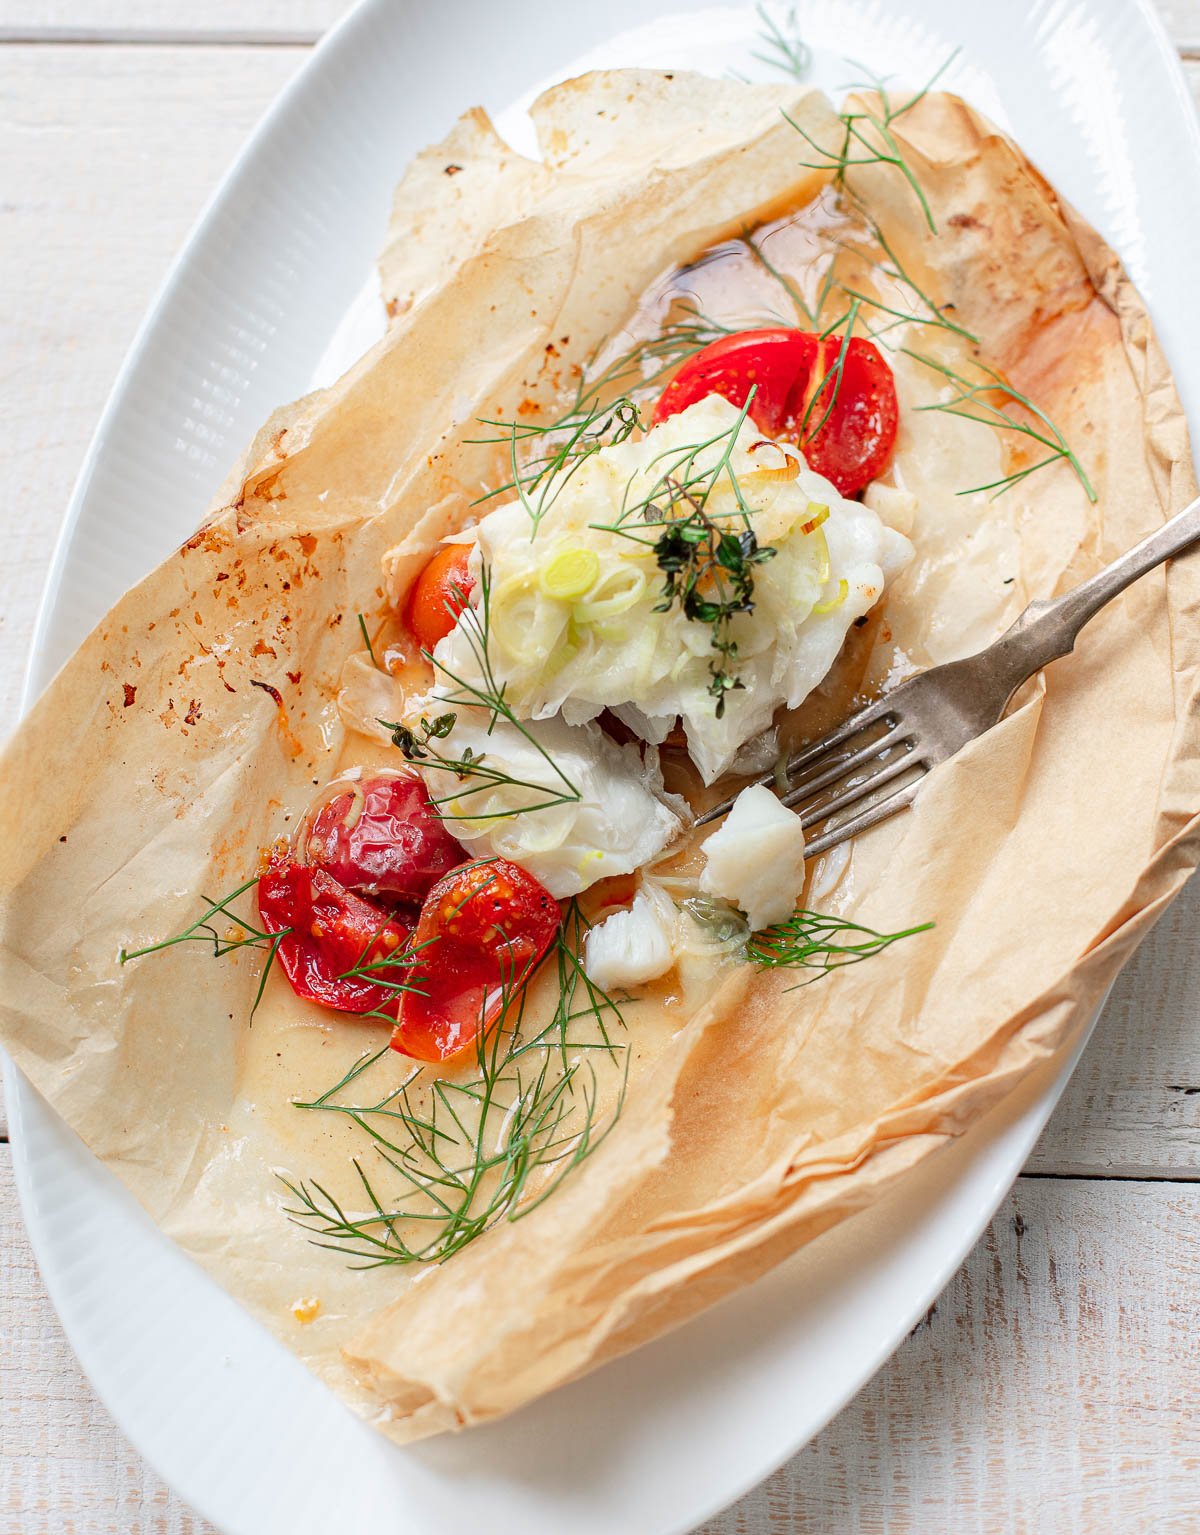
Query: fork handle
[1048, 627]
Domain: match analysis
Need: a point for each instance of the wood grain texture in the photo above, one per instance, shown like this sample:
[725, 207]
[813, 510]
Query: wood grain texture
[1132, 1109]
[230, 21]
[1052, 1390]
[1182, 20]
[291, 20]
[64, 1467]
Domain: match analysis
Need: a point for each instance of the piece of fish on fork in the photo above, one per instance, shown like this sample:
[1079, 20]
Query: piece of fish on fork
[873, 764]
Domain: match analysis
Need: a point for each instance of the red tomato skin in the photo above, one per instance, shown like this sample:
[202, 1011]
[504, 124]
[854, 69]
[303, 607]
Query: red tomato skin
[332, 931]
[773, 362]
[439, 594]
[856, 442]
[482, 930]
[849, 446]
[397, 847]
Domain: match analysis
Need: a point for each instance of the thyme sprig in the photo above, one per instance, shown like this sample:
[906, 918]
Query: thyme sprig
[812, 940]
[415, 744]
[241, 934]
[709, 573]
[989, 399]
[708, 564]
[469, 1154]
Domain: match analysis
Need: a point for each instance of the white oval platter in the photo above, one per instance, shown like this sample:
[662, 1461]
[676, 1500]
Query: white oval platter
[266, 297]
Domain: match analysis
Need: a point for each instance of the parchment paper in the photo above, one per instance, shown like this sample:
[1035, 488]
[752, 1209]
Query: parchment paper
[153, 768]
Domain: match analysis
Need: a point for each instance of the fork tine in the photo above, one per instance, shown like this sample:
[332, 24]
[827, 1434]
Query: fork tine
[813, 755]
[880, 709]
[854, 792]
[892, 803]
[889, 741]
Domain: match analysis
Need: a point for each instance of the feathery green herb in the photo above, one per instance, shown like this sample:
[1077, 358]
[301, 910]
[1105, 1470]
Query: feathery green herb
[758, 254]
[460, 1156]
[783, 47]
[396, 972]
[989, 399]
[709, 573]
[707, 560]
[362, 624]
[830, 385]
[540, 482]
[681, 479]
[649, 359]
[470, 768]
[242, 934]
[867, 136]
[810, 940]
[708, 565]
[928, 313]
[594, 419]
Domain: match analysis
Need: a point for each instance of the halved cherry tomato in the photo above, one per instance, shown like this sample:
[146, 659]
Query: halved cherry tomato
[481, 931]
[856, 441]
[383, 837]
[777, 364]
[332, 932]
[439, 595]
[843, 420]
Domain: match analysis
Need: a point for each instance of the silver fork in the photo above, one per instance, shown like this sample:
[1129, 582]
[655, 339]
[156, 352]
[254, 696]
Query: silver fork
[882, 753]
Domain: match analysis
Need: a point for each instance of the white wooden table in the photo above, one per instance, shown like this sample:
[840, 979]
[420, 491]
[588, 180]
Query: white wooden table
[1055, 1386]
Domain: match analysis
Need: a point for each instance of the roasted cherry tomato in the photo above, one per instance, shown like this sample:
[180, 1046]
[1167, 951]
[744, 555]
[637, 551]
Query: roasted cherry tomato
[333, 932]
[481, 931]
[856, 441]
[844, 421]
[777, 364]
[382, 836]
[439, 595]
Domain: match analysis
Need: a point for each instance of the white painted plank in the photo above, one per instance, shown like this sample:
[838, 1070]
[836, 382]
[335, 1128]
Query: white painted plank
[284, 19]
[1182, 18]
[1133, 1106]
[64, 1467]
[168, 20]
[1052, 1390]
